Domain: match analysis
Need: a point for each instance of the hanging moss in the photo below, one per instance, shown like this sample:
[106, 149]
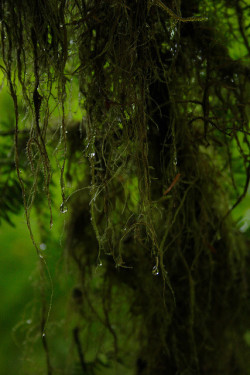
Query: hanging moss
[164, 104]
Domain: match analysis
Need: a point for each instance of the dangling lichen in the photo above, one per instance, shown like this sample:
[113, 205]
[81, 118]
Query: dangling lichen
[164, 107]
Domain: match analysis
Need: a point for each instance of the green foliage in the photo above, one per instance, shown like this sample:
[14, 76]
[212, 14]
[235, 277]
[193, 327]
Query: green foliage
[11, 199]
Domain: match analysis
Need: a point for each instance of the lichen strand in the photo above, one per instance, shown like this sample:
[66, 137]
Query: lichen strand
[163, 105]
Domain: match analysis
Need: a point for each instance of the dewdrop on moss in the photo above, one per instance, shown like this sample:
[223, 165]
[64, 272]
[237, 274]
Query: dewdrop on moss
[155, 271]
[63, 208]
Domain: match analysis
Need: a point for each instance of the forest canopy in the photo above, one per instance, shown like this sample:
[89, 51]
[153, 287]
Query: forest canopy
[130, 118]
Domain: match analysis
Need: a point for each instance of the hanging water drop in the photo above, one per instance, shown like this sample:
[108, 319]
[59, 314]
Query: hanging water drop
[43, 246]
[99, 263]
[155, 271]
[63, 208]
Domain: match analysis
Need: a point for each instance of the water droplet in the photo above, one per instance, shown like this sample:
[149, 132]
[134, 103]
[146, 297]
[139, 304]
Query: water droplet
[99, 263]
[92, 155]
[43, 335]
[43, 246]
[29, 321]
[155, 271]
[63, 208]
